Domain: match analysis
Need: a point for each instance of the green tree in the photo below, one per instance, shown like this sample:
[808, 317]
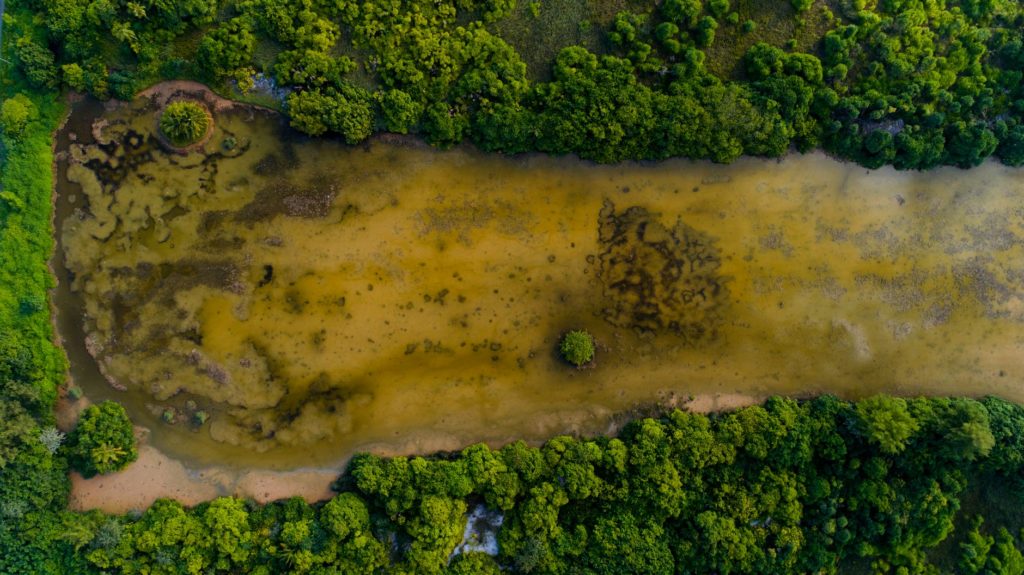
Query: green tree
[1011, 145]
[103, 440]
[435, 531]
[969, 436]
[986, 555]
[887, 422]
[968, 144]
[15, 114]
[74, 76]
[682, 12]
[229, 541]
[401, 113]
[346, 111]
[623, 544]
[474, 563]
[577, 347]
[311, 68]
[37, 63]
[227, 50]
[16, 432]
[347, 519]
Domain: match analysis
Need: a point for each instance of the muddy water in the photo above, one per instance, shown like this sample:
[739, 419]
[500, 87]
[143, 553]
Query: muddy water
[315, 299]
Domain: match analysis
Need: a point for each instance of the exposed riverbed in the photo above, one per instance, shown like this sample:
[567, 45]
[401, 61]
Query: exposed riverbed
[314, 299]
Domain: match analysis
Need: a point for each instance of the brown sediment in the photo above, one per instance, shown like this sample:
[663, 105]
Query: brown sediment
[156, 476]
[163, 92]
[55, 337]
[66, 411]
[152, 476]
[710, 403]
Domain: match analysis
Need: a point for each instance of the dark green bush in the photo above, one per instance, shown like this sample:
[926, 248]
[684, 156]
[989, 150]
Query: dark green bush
[37, 63]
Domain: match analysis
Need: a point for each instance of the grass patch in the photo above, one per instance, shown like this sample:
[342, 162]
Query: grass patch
[993, 498]
[362, 76]
[556, 25]
[186, 45]
[266, 54]
[776, 24]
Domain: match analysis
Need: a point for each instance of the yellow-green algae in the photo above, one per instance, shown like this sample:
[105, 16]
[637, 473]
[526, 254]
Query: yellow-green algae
[318, 299]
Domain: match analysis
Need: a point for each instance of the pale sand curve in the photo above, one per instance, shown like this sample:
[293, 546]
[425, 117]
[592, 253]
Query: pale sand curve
[156, 476]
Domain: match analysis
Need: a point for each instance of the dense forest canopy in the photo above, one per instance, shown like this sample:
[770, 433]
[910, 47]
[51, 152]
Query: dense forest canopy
[911, 83]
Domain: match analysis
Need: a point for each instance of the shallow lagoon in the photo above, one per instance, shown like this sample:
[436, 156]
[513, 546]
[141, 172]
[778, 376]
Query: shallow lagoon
[316, 299]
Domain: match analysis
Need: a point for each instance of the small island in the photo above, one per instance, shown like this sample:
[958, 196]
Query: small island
[577, 347]
[185, 123]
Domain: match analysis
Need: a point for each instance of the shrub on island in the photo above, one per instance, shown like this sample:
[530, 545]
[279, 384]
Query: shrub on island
[184, 123]
[577, 347]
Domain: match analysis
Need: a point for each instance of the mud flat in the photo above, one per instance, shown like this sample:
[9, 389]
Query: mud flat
[285, 302]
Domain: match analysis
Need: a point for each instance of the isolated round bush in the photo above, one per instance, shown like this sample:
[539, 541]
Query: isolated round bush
[184, 122]
[103, 441]
[577, 347]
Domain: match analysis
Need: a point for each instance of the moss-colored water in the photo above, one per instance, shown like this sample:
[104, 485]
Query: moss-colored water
[316, 299]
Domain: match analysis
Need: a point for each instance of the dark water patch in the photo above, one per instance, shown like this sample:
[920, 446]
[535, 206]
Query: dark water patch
[277, 164]
[173, 277]
[210, 221]
[658, 278]
[268, 275]
[284, 198]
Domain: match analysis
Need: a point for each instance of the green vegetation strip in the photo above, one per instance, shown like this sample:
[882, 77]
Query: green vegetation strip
[821, 486]
[909, 83]
[33, 477]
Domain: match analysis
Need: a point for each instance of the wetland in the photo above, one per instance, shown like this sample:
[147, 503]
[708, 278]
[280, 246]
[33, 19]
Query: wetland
[312, 299]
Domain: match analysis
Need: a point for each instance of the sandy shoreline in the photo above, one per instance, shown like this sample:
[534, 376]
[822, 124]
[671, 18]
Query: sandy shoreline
[155, 475]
